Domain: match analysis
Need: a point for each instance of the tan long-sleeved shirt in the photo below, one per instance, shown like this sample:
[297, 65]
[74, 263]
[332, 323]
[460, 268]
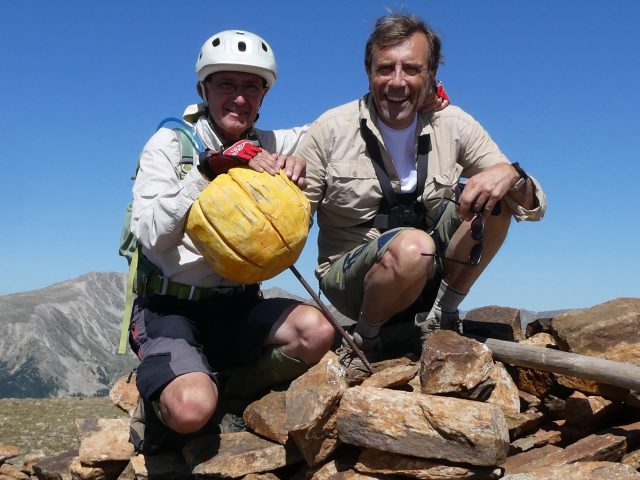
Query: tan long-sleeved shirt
[161, 201]
[342, 185]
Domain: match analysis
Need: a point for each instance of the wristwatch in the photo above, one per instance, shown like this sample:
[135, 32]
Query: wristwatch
[522, 180]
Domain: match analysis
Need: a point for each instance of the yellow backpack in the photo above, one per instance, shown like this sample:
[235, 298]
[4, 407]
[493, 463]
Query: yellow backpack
[250, 226]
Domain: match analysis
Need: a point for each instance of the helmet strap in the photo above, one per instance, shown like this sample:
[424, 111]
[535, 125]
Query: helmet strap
[202, 91]
[262, 100]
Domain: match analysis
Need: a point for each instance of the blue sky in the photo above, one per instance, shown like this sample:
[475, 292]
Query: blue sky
[84, 84]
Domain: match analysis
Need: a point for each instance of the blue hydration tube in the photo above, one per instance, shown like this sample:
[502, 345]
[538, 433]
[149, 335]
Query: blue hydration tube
[187, 130]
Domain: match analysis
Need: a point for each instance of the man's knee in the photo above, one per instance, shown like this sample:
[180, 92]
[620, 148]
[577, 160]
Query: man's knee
[405, 253]
[314, 331]
[188, 402]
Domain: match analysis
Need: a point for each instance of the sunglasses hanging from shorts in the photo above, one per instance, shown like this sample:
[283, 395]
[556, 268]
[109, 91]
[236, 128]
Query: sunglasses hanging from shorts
[477, 234]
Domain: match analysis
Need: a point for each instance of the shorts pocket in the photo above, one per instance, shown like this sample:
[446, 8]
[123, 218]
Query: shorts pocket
[153, 373]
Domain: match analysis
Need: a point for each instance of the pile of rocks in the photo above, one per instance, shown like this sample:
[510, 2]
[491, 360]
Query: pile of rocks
[454, 413]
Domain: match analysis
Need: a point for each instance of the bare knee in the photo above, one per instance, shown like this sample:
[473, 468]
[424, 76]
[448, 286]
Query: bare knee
[404, 256]
[313, 334]
[188, 402]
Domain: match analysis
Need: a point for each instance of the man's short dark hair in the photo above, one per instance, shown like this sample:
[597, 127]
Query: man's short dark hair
[392, 30]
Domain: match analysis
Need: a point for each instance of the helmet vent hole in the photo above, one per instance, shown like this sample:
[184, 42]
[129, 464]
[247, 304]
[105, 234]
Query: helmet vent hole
[216, 42]
[242, 46]
[264, 47]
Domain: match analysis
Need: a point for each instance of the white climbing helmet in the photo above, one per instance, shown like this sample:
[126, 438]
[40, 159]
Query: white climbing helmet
[237, 51]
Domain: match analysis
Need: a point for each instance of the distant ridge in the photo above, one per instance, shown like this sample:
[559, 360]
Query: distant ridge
[61, 340]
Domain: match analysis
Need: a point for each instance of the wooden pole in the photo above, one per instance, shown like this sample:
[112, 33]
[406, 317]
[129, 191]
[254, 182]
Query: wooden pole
[332, 319]
[618, 374]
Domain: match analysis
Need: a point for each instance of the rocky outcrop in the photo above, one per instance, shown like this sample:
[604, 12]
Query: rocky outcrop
[455, 413]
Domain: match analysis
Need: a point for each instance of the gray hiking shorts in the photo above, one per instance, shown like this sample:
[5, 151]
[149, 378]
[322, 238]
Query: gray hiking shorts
[343, 284]
[172, 337]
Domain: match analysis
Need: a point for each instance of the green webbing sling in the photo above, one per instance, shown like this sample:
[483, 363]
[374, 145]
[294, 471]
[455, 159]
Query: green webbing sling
[128, 303]
[130, 248]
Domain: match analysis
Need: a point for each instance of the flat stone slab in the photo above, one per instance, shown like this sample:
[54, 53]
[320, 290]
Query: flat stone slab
[235, 454]
[425, 426]
[104, 440]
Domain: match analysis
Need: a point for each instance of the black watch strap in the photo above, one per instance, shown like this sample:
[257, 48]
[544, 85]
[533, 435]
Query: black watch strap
[523, 177]
[520, 170]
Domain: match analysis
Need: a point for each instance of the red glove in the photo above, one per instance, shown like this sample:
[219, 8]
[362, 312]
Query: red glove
[440, 92]
[243, 149]
[213, 163]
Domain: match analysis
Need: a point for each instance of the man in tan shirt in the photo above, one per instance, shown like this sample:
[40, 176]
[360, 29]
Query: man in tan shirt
[398, 238]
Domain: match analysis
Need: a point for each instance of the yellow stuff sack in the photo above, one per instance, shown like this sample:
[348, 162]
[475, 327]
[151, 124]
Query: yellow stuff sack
[249, 226]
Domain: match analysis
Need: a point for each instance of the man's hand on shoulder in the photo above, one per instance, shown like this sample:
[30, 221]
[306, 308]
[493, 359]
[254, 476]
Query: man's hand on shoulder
[436, 100]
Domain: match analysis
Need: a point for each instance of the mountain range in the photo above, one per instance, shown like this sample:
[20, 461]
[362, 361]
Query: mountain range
[61, 340]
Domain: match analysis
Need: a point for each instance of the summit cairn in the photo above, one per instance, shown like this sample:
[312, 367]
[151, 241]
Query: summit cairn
[454, 413]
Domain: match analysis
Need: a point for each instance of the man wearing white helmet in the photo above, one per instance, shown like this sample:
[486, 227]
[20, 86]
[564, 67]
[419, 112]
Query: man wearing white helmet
[189, 323]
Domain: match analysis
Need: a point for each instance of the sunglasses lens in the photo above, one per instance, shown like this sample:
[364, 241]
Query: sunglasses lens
[476, 254]
[477, 228]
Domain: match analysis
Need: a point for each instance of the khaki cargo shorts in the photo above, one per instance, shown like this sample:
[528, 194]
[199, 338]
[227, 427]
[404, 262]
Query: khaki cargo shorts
[343, 284]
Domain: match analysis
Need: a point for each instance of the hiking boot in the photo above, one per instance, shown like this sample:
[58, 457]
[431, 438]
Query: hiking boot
[243, 385]
[230, 423]
[349, 359]
[445, 321]
[228, 415]
[148, 434]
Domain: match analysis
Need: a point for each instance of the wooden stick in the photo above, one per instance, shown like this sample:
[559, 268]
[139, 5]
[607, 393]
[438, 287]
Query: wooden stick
[618, 374]
[332, 319]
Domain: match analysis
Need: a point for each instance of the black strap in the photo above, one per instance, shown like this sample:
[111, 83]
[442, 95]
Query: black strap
[424, 145]
[373, 149]
[388, 215]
